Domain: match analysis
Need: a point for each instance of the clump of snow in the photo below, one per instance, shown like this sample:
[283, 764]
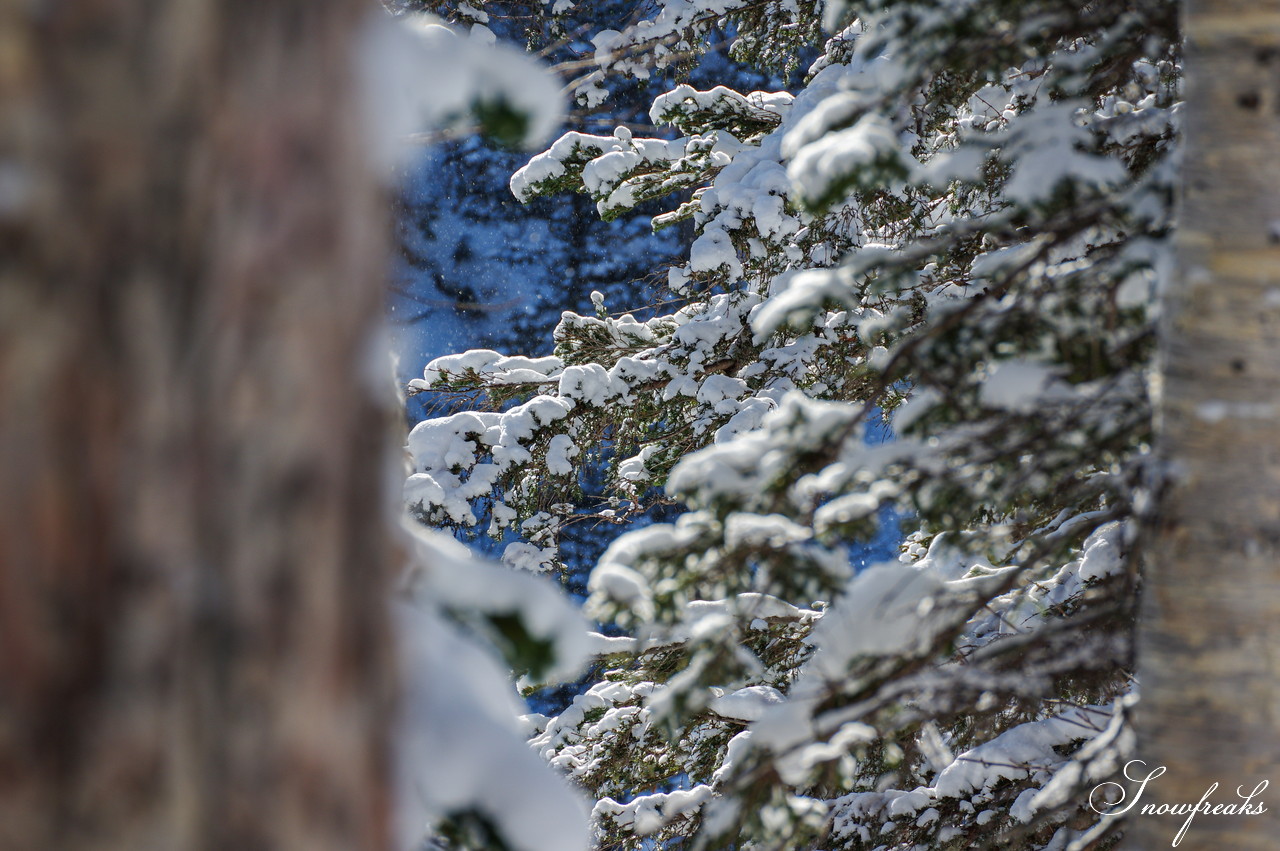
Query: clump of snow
[560, 453]
[885, 610]
[1102, 553]
[1017, 752]
[754, 530]
[461, 745]
[491, 366]
[529, 557]
[841, 157]
[446, 454]
[646, 814]
[589, 383]
[1015, 385]
[418, 75]
[614, 582]
[746, 704]
[1024, 751]
[1046, 148]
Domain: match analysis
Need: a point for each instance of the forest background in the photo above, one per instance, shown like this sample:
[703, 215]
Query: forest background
[958, 215]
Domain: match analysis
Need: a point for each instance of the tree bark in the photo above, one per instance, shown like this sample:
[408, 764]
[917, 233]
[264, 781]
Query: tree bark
[1210, 637]
[193, 550]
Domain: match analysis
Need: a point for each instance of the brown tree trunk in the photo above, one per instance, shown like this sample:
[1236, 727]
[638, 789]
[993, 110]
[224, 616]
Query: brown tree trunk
[193, 562]
[1210, 639]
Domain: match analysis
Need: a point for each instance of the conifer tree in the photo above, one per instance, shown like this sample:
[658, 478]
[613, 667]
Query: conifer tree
[960, 219]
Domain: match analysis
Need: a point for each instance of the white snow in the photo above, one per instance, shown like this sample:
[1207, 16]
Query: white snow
[746, 704]
[841, 155]
[1020, 751]
[645, 814]
[753, 530]
[461, 741]
[417, 75]
[1015, 385]
[885, 610]
[618, 583]
[560, 453]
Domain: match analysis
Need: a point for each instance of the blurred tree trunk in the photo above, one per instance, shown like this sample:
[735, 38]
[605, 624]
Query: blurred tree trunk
[1210, 638]
[193, 559]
